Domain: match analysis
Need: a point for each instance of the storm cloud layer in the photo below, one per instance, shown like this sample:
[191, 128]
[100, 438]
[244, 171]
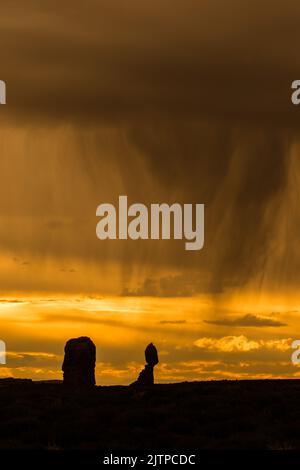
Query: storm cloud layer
[115, 59]
[165, 102]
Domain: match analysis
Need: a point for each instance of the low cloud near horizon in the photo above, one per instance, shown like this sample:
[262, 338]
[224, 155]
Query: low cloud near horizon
[248, 320]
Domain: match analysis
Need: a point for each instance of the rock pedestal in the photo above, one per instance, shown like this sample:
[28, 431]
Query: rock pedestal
[146, 376]
[79, 363]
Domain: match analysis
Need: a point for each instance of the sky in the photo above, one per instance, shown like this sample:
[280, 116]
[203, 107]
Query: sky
[186, 102]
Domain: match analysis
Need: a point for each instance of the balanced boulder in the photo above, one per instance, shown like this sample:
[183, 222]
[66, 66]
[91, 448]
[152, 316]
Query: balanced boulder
[146, 376]
[151, 355]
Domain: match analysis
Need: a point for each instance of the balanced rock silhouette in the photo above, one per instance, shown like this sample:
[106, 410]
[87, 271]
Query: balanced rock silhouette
[146, 376]
[79, 363]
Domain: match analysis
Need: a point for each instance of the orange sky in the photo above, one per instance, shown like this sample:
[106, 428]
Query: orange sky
[191, 345]
[162, 102]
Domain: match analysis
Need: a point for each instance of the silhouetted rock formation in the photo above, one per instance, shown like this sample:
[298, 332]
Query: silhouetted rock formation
[79, 363]
[146, 376]
[151, 355]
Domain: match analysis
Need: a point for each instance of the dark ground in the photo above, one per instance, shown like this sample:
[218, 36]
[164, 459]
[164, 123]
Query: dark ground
[203, 415]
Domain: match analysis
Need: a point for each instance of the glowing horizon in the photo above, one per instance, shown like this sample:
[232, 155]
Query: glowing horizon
[192, 345]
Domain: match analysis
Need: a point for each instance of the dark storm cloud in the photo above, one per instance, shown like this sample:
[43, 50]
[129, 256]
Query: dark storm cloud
[200, 111]
[239, 174]
[114, 59]
[248, 320]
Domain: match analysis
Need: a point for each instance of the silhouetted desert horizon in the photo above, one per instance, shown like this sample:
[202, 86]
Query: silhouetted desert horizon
[201, 415]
